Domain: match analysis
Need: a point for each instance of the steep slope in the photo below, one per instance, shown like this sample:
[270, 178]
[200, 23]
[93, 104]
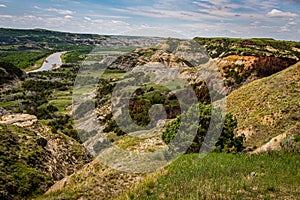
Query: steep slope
[94, 181]
[268, 107]
[239, 70]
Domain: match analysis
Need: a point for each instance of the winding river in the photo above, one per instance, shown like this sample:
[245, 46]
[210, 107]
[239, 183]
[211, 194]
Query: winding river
[52, 62]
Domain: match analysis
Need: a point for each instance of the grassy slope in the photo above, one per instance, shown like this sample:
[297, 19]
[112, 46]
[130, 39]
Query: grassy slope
[224, 176]
[32, 159]
[268, 107]
[94, 181]
[21, 155]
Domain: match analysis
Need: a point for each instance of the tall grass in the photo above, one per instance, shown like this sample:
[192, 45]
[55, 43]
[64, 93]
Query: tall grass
[225, 176]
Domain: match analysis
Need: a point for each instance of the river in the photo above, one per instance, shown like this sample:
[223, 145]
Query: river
[52, 62]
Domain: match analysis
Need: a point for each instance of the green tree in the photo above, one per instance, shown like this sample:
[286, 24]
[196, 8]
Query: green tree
[226, 142]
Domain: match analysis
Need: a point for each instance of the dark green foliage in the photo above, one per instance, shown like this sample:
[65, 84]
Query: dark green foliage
[22, 60]
[64, 123]
[139, 105]
[46, 112]
[104, 91]
[9, 72]
[42, 142]
[112, 126]
[225, 143]
[77, 55]
[37, 91]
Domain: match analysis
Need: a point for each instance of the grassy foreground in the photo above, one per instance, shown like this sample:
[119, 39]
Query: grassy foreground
[225, 176]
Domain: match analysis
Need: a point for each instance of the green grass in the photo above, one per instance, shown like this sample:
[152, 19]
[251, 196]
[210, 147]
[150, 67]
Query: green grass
[224, 176]
[23, 59]
[266, 107]
[61, 100]
[21, 174]
[38, 64]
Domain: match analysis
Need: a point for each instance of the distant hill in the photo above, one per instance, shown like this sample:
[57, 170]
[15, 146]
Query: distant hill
[222, 47]
[21, 39]
[26, 48]
[242, 61]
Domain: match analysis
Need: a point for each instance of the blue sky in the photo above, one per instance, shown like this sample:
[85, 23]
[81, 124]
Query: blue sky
[180, 18]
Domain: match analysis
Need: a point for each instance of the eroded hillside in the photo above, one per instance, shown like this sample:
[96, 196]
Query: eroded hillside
[33, 158]
[268, 107]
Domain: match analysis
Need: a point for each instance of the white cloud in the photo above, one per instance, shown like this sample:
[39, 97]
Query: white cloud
[6, 16]
[2, 6]
[284, 29]
[68, 17]
[292, 23]
[196, 17]
[110, 16]
[120, 22]
[164, 13]
[280, 14]
[59, 11]
[200, 15]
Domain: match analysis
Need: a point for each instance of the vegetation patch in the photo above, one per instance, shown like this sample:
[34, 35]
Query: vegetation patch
[224, 176]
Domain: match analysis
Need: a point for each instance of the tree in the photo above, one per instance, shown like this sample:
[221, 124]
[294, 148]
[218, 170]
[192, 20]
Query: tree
[227, 142]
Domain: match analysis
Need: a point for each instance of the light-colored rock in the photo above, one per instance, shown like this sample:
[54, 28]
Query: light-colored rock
[273, 144]
[22, 120]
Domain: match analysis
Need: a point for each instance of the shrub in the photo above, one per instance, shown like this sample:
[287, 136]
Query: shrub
[225, 143]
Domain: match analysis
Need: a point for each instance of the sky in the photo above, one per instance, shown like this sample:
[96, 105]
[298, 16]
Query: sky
[279, 19]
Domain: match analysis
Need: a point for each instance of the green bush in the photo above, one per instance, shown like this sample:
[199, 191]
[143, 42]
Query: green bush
[225, 143]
